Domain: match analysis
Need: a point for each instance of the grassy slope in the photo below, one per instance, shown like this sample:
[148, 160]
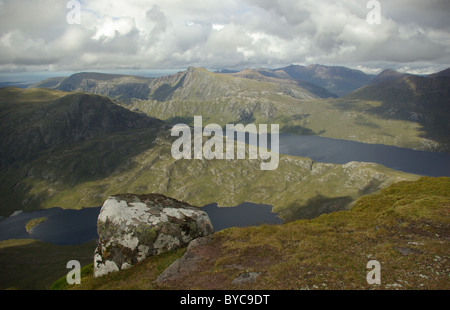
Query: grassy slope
[405, 227]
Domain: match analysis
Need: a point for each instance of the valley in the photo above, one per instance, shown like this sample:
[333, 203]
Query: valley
[72, 142]
[109, 149]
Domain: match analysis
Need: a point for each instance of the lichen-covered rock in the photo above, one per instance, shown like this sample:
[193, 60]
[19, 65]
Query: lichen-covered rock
[133, 227]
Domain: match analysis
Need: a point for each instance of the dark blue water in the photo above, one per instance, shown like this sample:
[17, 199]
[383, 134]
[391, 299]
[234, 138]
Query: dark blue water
[61, 227]
[245, 214]
[65, 227]
[76, 227]
[327, 150]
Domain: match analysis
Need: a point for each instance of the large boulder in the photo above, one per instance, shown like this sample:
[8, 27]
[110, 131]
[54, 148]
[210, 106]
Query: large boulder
[132, 227]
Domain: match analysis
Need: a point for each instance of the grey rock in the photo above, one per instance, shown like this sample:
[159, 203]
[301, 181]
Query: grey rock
[245, 278]
[185, 265]
[134, 227]
[405, 251]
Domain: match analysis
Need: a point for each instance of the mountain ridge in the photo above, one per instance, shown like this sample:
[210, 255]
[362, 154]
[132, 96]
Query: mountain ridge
[160, 89]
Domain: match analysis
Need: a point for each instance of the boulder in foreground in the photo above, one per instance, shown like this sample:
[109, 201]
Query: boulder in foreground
[132, 227]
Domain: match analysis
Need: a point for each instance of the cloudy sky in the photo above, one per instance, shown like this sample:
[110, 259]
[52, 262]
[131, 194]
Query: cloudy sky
[35, 35]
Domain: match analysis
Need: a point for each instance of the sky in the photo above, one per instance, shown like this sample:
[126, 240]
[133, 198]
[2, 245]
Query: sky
[44, 35]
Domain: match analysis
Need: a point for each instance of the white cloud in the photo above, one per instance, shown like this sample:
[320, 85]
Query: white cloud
[34, 34]
[110, 28]
[217, 27]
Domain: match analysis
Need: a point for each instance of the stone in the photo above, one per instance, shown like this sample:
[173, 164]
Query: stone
[248, 277]
[185, 265]
[405, 251]
[133, 227]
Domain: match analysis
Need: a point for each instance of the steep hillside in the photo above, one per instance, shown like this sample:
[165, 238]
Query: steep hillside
[200, 84]
[405, 227]
[424, 100]
[32, 121]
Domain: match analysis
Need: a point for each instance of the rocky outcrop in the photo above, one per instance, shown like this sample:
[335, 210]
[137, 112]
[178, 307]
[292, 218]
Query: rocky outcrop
[133, 227]
[185, 265]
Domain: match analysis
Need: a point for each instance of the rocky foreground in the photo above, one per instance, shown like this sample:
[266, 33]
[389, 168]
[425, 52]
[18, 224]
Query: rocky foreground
[406, 228]
[132, 228]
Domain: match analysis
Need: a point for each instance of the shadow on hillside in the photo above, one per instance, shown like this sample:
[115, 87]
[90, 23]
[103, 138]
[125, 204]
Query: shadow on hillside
[35, 265]
[70, 165]
[165, 91]
[427, 104]
[315, 207]
[300, 130]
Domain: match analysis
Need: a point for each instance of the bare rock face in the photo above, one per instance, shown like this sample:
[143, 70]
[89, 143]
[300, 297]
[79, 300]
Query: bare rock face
[133, 227]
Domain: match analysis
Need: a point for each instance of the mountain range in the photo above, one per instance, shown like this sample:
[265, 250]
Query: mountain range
[392, 108]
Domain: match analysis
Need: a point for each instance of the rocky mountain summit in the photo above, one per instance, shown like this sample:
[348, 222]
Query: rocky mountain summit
[133, 227]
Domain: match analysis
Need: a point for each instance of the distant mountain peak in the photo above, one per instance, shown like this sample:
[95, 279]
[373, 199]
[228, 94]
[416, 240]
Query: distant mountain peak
[389, 75]
[197, 69]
